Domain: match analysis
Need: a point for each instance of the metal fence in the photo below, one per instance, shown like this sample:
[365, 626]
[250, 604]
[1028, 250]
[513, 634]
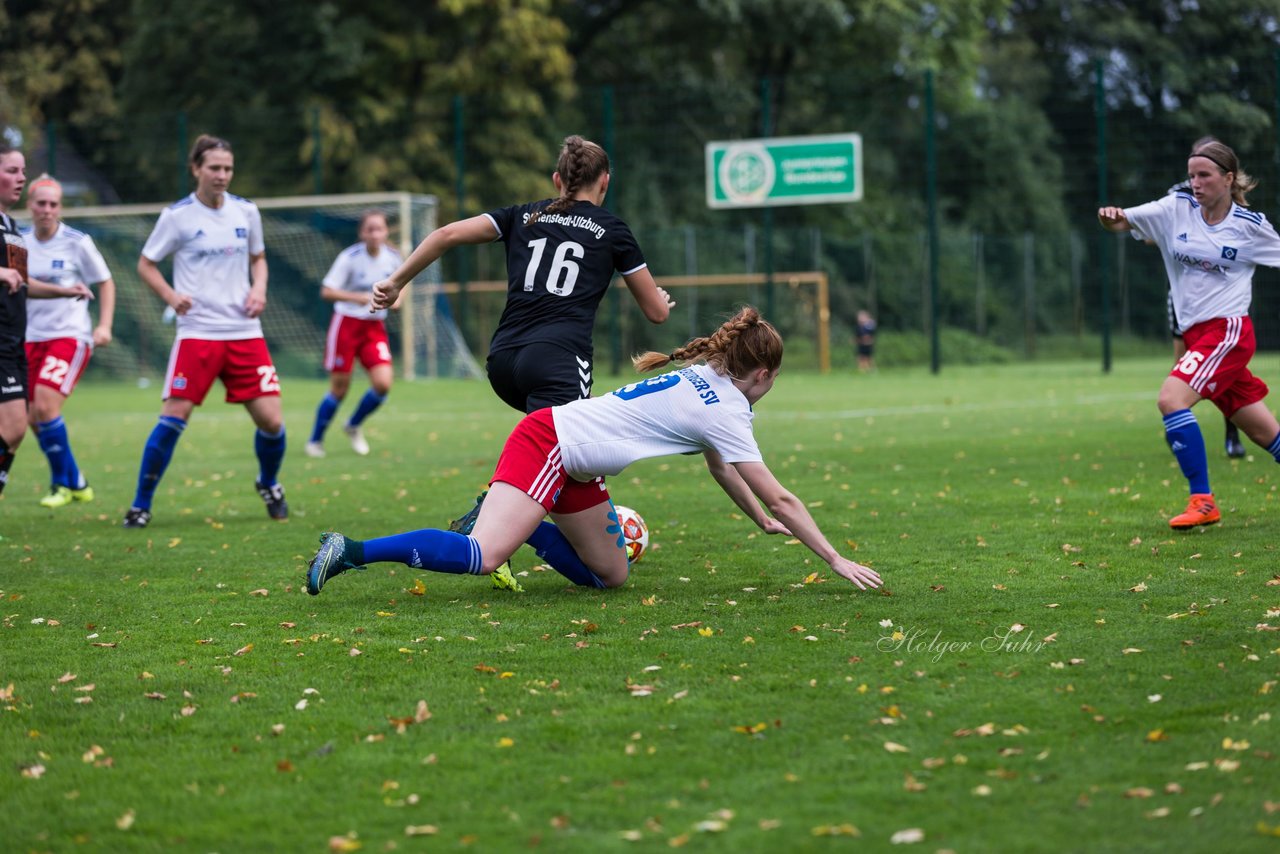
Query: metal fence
[1030, 287]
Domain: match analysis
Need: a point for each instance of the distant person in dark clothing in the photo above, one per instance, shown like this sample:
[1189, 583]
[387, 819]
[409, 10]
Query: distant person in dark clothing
[865, 338]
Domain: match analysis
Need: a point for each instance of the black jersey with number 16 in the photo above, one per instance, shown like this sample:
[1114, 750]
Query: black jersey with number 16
[558, 269]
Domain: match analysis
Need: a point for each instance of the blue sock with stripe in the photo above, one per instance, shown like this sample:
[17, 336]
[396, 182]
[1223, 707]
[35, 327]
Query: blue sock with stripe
[270, 450]
[1182, 432]
[371, 401]
[438, 551]
[155, 458]
[324, 414]
[52, 436]
[1274, 448]
[553, 547]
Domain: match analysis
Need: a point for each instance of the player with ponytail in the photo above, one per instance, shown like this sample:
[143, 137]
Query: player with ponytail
[555, 460]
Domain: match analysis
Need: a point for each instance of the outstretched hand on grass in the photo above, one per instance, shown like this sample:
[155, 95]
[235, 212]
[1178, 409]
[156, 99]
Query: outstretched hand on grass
[863, 576]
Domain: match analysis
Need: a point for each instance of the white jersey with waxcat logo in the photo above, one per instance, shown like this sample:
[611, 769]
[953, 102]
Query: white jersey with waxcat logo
[69, 257]
[1210, 267]
[357, 271]
[211, 249]
[691, 410]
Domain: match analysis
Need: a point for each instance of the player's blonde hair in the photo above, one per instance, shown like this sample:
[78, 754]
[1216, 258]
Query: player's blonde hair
[581, 162]
[43, 180]
[742, 344]
[1221, 155]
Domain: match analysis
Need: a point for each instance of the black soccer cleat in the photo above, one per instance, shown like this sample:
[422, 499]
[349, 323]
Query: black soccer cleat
[273, 497]
[136, 517]
[467, 521]
[330, 560]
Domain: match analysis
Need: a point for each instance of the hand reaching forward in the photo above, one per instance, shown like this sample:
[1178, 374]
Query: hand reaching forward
[863, 576]
[385, 294]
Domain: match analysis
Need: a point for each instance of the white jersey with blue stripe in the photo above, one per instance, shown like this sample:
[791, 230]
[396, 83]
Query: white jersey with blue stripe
[69, 257]
[211, 248]
[357, 271]
[691, 410]
[1210, 267]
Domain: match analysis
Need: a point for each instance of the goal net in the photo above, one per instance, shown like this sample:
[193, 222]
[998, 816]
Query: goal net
[303, 236]
[798, 303]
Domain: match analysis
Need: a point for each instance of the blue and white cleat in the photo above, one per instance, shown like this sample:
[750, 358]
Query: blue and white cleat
[330, 561]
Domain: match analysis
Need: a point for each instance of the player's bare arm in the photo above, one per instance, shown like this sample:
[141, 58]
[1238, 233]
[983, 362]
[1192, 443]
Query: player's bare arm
[655, 303]
[1113, 219]
[154, 279]
[256, 302]
[476, 229]
[736, 488]
[37, 289]
[792, 512]
[106, 313]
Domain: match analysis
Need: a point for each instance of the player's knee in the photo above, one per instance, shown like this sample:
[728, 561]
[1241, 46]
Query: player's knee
[381, 389]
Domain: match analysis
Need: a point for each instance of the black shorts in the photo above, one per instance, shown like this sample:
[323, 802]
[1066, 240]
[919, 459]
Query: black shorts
[866, 349]
[13, 370]
[538, 375]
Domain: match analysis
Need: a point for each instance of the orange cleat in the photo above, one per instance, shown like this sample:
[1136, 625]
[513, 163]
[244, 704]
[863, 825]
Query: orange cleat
[1201, 510]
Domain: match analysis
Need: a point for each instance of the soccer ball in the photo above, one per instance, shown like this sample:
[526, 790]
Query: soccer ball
[635, 533]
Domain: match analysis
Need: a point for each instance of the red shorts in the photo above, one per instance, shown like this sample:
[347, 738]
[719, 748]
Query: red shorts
[1216, 364]
[57, 363]
[244, 366]
[352, 338]
[530, 462]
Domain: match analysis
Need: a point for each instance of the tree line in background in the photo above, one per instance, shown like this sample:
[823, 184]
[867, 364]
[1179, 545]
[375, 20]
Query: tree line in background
[468, 99]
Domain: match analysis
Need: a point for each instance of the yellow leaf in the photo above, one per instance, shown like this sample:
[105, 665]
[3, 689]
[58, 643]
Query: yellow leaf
[706, 632]
[125, 821]
[1157, 735]
[506, 742]
[418, 589]
[894, 747]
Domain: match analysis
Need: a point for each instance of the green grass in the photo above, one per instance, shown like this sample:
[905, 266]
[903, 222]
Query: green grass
[1032, 495]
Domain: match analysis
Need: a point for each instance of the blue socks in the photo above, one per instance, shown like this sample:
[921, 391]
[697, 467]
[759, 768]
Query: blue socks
[52, 436]
[553, 547]
[371, 401]
[1182, 432]
[324, 414]
[155, 458]
[438, 551]
[270, 450]
[1274, 448]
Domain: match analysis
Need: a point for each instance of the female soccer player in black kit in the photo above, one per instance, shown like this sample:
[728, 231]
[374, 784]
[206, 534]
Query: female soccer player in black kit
[561, 256]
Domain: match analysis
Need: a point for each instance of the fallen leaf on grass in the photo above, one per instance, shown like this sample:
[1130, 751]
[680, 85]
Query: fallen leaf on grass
[125, 821]
[62, 680]
[343, 844]
[418, 589]
[836, 830]
[261, 591]
[244, 649]
[154, 695]
[32, 772]
[750, 729]
[894, 747]
[421, 830]
[1139, 792]
[909, 836]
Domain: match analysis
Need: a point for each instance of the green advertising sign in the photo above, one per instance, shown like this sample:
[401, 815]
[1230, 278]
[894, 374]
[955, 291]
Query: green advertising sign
[787, 170]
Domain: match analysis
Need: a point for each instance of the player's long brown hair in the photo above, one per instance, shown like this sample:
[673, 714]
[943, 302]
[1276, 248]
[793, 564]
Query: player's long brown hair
[1225, 159]
[742, 344]
[581, 163]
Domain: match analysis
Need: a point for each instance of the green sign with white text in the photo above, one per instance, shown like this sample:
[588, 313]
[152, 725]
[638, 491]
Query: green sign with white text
[785, 170]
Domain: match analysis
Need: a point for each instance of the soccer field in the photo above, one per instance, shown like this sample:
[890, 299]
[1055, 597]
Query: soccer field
[1050, 668]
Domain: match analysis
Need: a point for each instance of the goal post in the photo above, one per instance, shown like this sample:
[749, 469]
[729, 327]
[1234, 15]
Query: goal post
[806, 318]
[303, 234]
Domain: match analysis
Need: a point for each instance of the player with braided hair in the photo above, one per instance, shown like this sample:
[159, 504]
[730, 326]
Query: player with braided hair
[555, 459]
[561, 256]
